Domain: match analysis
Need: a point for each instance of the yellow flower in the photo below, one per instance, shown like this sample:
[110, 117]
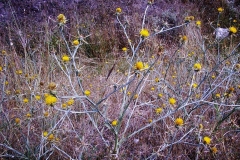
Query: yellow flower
[191, 18]
[213, 76]
[152, 88]
[17, 91]
[50, 100]
[217, 95]
[200, 126]
[1, 69]
[70, 102]
[128, 93]
[184, 38]
[135, 96]
[206, 140]
[46, 114]
[51, 137]
[139, 65]
[198, 23]
[4, 52]
[220, 9]
[19, 71]
[158, 110]
[118, 10]
[45, 133]
[214, 150]
[160, 95]
[65, 58]
[61, 19]
[28, 115]
[194, 85]
[114, 122]
[172, 101]
[75, 42]
[197, 67]
[157, 80]
[150, 120]
[17, 120]
[124, 49]
[179, 122]
[144, 33]
[64, 106]
[37, 97]
[25, 100]
[87, 92]
[52, 86]
[233, 30]
[6, 83]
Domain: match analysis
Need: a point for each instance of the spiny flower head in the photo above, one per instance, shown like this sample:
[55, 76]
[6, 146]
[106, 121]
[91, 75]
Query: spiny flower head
[198, 23]
[28, 115]
[75, 42]
[124, 49]
[184, 38]
[157, 80]
[144, 33]
[197, 67]
[45, 133]
[61, 19]
[19, 71]
[179, 122]
[172, 101]
[70, 102]
[50, 100]
[17, 120]
[37, 97]
[118, 10]
[214, 150]
[65, 58]
[114, 122]
[87, 92]
[160, 95]
[1, 69]
[194, 85]
[52, 86]
[139, 65]
[25, 100]
[46, 114]
[233, 30]
[220, 9]
[158, 110]
[51, 137]
[206, 140]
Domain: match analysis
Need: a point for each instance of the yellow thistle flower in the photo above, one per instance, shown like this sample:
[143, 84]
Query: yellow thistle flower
[4, 52]
[135, 96]
[198, 23]
[214, 150]
[220, 9]
[61, 19]
[25, 100]
[184, 38]
[194, 85]
[150, 120]
[52, 86]
[65, 58]
[19, 71]
[158, 110]
[70, 102]
[179, 122]
[1, 69]
[17, 120]
[6, 83]
[160, 95]
[118, 10]
[233, 30]
[45, 133]
[45, 114]
[206, 140]
[17, 91]
[144, 33]
[217, 95]
[50, 100]
[197, 67]
[75, 42]
[139, 65]
[28, 115]
[114, 122]
[37, 97]
[213, 76]
[51, 137]
[124, 49]
[152, 88]
[200, 126]
[157, 80]
[87, 92]
[172, 101]
[64, 106]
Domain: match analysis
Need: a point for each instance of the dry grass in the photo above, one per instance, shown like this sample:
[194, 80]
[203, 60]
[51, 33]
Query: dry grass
[84, 129]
